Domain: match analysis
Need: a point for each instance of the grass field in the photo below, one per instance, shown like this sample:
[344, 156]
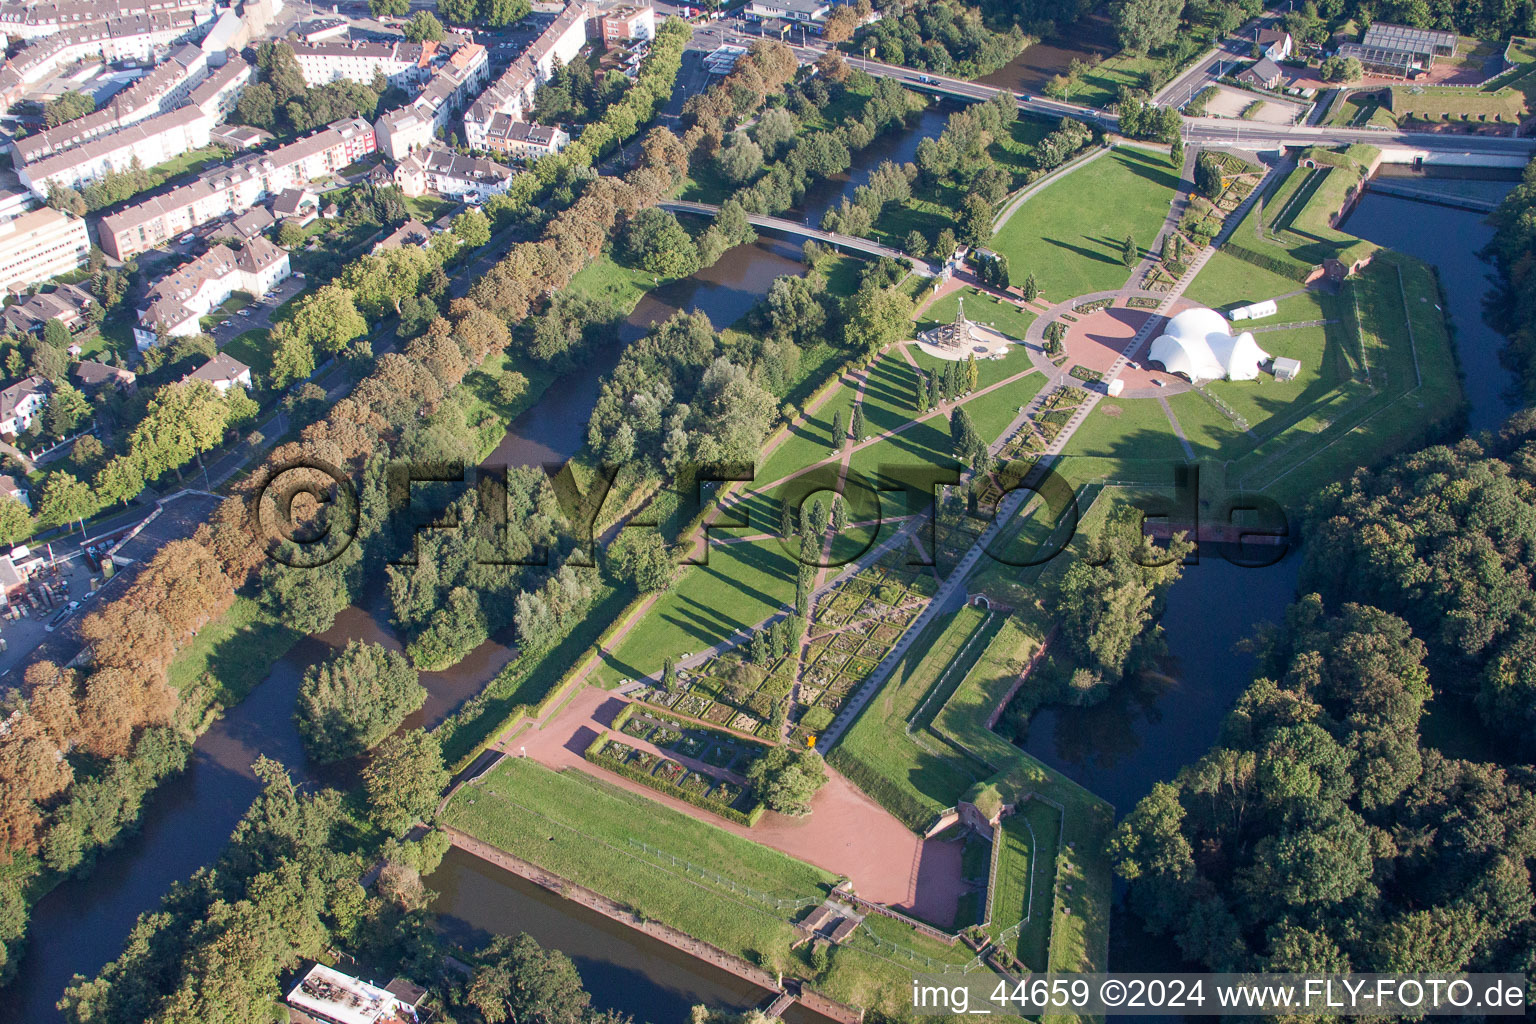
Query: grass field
[1069, 235]
[254, 349]
[741, 585]
[581, 828]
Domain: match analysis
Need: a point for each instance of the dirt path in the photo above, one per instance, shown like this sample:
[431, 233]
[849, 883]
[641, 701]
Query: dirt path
[846, 833]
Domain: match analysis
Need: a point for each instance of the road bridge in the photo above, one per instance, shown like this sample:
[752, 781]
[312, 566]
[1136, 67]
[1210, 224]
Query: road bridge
[1438, 147]
[793, 227]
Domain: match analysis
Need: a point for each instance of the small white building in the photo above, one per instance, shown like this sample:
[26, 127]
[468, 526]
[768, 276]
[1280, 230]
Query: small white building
[328, 995]
[1255, 311]
[21, 403]
[1285, 368]
[223, 371]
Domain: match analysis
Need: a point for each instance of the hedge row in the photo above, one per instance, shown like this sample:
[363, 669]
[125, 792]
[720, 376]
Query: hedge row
[1293, 269]
[594, 753]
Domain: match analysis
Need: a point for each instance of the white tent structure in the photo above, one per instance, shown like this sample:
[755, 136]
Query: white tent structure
[1198, 344]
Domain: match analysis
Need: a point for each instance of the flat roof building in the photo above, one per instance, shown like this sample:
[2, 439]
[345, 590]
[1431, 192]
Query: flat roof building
[335, 998]
[40, 245]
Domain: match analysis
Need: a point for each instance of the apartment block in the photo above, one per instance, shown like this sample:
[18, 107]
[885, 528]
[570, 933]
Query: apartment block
[178, 301]
[39, 245]
[221, 191]
[512, 92]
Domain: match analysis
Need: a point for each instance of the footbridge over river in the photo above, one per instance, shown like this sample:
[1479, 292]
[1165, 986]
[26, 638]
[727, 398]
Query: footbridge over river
[794, 227]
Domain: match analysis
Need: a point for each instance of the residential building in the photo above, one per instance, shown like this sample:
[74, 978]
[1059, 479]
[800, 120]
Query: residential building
[512, 92]
[451, 174]
[39, 245]
[624, 22]
[401, 63]
[177, 303]
[223, 372]
[69, 304]
[217, 94]
[21, 403]
[145, 144]
[138, 37]
[296, 204]
[11, 488]
[1264, 74]
[411, 127]
[91, 377]
[328, 995]
[412, 232]
[524, 138]
[253, 222]
[26, 20]
[220, 191]
[1274, 43]
[163, 89]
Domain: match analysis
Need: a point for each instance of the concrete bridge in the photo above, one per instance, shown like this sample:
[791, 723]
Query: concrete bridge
[793, 227]
[1496, 150]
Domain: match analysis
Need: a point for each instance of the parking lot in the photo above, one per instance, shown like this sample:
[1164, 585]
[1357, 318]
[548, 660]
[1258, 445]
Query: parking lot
[21, 636]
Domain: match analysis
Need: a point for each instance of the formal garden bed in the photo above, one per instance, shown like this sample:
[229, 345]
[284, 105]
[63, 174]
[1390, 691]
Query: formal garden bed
[711, 793]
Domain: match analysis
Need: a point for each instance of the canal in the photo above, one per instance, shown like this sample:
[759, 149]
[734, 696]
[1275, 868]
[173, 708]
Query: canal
[81, 925]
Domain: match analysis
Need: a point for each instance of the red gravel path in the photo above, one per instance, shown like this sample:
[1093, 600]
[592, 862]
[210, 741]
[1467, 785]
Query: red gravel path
[846, 833]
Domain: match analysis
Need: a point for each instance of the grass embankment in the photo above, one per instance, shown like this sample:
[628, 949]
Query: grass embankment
[718, 887]
[233, 653]
[733, 893]
[1070, 234]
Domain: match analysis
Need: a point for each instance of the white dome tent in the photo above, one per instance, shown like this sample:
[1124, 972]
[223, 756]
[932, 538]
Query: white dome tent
[1198, 344]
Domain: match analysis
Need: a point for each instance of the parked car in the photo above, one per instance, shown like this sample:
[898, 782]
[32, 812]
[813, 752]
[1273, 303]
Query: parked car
[225, 323]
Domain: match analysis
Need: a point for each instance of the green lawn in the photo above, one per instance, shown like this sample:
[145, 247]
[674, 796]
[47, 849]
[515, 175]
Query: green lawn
[233, 653]
[604, 278]
[1069, 235]
[254, 349]
[912, 775]
[485, 410]
[741, 585]
[584, 830]
[983, 308]
[428, 209]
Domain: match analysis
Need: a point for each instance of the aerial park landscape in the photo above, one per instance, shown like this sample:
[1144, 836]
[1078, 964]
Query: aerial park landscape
[941, 494]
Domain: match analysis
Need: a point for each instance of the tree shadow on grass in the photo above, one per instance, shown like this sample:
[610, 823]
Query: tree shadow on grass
[1083, 251]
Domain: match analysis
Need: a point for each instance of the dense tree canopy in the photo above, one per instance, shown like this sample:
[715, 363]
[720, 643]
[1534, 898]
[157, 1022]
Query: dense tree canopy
[354, 698]
[1320, 835]
[787, 779]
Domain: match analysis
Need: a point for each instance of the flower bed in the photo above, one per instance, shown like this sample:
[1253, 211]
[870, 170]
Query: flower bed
[717, 796]
[1094, 306]
[1082, 372]
[1143, 302]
